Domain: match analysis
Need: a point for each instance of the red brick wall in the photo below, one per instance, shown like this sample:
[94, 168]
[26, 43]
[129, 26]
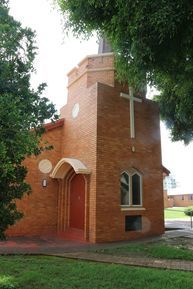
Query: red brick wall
[166, 200]
[100, 138]
[114, 155]
[80, 133]
[80, 139]
[182, 200]
[40, 207]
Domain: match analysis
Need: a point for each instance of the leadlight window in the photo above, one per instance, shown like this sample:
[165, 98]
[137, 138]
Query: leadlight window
[125, 189]
[136, 189]
[131, 189]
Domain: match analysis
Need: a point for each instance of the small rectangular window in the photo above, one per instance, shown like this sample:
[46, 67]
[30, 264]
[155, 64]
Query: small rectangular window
[133, 223]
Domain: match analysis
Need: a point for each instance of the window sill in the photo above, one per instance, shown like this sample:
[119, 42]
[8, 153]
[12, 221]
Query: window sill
[126, 208]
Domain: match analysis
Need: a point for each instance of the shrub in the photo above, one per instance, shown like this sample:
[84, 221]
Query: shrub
[189, 211]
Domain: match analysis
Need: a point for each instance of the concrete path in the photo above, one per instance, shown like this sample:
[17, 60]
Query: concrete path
[187, 233]
[81, 251]
[24, 245]
[178, 223]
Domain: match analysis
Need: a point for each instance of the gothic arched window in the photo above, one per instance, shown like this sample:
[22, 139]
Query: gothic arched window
[125, 186]
[131, 189]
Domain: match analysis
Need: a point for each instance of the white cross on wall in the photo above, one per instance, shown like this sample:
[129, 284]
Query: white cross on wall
[131, 97]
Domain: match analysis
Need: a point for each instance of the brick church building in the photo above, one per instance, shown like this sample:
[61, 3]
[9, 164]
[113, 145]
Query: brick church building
[103, 179]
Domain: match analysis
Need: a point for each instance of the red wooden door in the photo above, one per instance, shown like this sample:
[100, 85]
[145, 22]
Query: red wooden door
[77, 202]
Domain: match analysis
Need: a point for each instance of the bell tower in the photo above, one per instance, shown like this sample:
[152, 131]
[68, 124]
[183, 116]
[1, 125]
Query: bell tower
[104, 46]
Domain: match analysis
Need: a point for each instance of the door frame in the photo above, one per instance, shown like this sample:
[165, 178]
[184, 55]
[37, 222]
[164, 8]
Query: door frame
[69, 201]
[64, 204]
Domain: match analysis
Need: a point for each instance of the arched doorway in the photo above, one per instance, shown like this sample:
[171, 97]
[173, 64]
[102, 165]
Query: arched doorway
[73, 215]
[77, 202]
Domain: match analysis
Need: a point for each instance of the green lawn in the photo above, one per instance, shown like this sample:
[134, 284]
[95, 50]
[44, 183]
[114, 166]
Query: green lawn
[157, 249]
[175, 213]
[57, 273]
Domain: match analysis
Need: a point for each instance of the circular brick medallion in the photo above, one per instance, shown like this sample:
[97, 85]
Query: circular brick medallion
[45, 166]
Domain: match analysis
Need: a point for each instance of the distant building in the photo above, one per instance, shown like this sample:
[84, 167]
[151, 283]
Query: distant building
[173, 194]
[177, 199]
[166, 174]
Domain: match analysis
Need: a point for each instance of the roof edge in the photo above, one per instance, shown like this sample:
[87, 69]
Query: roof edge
[52, 125]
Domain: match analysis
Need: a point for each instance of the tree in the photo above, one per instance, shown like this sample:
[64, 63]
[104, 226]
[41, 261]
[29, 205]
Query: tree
[22, 114]
[153, 43]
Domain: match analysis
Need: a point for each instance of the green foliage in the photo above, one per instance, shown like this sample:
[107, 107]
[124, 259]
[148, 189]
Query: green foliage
[22, 114]
[6, 283]
[153, 43]
[188, 211]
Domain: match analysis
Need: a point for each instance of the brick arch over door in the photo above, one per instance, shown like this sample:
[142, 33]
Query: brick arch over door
[64, 166]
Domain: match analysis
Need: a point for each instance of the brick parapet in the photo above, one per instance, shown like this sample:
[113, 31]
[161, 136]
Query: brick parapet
[96, 68]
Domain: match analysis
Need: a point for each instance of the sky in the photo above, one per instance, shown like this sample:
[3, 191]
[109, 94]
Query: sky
[58, 53]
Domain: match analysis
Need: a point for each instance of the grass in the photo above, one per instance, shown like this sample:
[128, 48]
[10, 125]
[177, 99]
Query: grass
[21, 272]
[175, 213]
[155, 250]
